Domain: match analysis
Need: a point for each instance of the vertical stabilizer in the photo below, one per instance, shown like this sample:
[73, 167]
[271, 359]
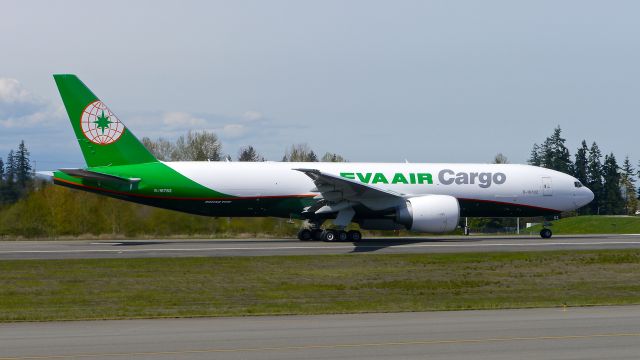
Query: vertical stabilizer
[103, 138]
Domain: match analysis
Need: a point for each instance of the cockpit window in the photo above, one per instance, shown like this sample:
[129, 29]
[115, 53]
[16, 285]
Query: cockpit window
[577, 184]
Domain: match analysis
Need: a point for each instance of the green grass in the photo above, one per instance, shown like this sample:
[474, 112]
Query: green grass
[126, 288]
[593, 224]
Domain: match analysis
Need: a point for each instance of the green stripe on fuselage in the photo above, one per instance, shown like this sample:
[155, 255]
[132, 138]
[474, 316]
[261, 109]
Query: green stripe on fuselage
[157, 180]
[162, 186]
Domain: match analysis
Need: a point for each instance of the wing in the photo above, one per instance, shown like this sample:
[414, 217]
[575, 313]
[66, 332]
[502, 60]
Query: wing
[339, 193]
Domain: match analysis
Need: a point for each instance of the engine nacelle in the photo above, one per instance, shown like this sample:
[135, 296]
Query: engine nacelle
[430, 213]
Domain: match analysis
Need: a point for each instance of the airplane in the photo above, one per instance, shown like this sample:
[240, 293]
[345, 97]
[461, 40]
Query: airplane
[425, 197]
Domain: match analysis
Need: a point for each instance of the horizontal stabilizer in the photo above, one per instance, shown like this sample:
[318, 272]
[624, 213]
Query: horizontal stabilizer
[97, 176]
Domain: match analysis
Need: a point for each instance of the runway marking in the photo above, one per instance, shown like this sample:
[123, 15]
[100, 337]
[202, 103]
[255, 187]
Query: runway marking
[327, 346]
[328, 247]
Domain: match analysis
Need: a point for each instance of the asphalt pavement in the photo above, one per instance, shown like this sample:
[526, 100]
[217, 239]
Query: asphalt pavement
[267, 247]
[573, 333]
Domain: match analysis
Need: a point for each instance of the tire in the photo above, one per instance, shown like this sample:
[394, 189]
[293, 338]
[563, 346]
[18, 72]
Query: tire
[354, 235]
[546, 233]
[316, 234]
[329, 236]
[342, 236]
[304, 235]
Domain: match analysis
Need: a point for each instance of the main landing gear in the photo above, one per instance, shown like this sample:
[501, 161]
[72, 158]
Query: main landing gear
[329, 235]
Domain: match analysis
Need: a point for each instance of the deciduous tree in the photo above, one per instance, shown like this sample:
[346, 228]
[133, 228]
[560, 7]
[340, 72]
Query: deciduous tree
[332, 157]
[162, 149]
[300, 153]
[198, 146]
[500, 159]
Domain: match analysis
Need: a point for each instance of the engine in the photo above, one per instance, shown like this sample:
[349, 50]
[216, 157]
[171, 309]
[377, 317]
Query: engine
[430, 213]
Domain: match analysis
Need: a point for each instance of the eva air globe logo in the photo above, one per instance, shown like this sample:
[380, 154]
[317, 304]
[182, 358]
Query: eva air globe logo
[100, 125]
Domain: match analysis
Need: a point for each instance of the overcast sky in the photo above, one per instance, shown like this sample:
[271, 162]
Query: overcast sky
[426, 81]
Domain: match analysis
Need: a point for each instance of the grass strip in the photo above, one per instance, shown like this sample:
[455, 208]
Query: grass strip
[592, 224]
[200, 286]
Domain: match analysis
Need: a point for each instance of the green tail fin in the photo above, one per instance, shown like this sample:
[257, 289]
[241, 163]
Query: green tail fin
[103, 138]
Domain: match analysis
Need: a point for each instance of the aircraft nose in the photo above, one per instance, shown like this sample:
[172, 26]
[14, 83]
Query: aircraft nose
[588, 195]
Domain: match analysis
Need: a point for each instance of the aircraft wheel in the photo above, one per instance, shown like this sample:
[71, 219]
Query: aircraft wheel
[354, 235]
[545, 233]
[304, 235]
[342, 235]
[316, 234]
[329, 235]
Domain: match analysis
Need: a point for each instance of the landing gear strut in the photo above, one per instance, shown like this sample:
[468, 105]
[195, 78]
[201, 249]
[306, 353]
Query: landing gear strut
[342, 220]
[316, 234]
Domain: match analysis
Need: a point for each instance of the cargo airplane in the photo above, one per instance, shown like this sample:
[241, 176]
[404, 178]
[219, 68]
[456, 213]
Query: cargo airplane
[427, 197]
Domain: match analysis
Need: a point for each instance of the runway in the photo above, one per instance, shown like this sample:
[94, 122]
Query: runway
[253, 247]
[577, 333]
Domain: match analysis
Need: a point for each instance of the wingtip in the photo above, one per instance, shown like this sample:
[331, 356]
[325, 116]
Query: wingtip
[315, 171]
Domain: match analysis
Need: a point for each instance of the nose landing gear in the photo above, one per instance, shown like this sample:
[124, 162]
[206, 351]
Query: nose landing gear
[546, 233]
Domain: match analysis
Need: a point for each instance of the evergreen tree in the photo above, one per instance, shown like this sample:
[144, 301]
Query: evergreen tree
[627, 183]
[248, 153]
[555, 154]
[8, 191]
[639, 177]
[2, 187]
[546, 154]
[552, 154]
[10, 168]
[22, 166]
[312, 157]
[594, 177]
[534, 158]
[580, 165]
[612, 199]
[580, 170]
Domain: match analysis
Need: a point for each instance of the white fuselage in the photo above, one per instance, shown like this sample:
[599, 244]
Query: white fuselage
[506, 184]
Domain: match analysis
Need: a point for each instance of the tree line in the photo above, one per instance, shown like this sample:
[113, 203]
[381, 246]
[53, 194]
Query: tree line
[17, 177]
[52, 211]
[205, 146]
[613, 186]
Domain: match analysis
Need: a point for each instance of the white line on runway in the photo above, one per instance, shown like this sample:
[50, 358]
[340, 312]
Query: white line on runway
[330, 247]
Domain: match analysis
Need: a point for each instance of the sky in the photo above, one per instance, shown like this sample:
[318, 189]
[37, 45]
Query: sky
[381, 81]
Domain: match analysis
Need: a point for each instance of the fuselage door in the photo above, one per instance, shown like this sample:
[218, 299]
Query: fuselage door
[547, 190]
